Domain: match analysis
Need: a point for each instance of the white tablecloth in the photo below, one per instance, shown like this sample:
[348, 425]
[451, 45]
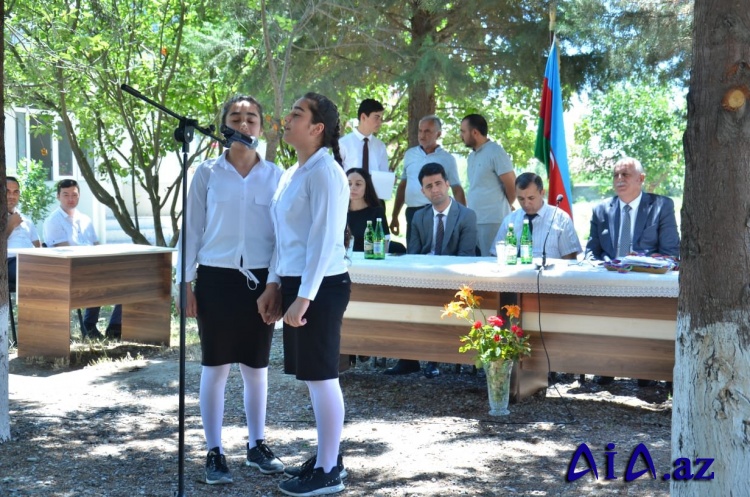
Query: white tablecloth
[483, 273]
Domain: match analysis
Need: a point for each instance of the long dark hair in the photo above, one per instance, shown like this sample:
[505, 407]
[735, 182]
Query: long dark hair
[324, 111]
[371, 197]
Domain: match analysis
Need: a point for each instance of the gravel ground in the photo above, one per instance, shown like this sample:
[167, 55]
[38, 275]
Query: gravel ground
[111, 429]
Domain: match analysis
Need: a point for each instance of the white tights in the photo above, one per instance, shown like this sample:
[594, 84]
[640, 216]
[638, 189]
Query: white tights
[328, 405]
[213, 383]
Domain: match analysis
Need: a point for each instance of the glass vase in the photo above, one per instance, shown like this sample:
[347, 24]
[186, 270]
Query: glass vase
[498, 386]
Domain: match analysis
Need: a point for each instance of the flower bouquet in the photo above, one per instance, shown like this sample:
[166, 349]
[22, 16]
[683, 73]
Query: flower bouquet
[496, 343]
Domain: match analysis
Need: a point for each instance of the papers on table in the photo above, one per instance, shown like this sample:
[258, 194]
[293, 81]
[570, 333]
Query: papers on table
[383, 182]
[644, 261]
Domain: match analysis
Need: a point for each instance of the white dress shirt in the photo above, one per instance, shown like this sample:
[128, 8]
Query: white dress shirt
[351, 146]
[75, 229]
[228, 221]
[309, 218]
[23, 236]
[562, 240]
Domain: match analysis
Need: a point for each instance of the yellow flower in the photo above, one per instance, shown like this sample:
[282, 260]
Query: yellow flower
[452, 308]
[513, 311]
[465, 292]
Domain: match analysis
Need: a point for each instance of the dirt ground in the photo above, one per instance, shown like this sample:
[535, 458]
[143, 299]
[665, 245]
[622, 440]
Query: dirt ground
[111, 429]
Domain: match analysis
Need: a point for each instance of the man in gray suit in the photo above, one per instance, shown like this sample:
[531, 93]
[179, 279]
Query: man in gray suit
[444, 220]
[444, 227]
[633, 221]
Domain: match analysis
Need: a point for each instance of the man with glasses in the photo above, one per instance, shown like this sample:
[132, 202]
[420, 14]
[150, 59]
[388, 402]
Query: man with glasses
[632, 221]
[68, 226]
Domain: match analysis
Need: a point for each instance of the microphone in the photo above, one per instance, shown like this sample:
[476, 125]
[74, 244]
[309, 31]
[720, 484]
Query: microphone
[544, 265]
[232, 135]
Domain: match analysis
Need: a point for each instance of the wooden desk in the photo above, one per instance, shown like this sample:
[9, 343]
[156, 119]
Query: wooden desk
[52, 281]
[594, 321]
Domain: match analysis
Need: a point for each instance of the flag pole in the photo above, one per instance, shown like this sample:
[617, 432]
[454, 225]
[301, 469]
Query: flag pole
[552, 21]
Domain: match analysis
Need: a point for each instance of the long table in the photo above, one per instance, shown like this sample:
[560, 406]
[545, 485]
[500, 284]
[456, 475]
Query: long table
[52, 281]
[584, 318]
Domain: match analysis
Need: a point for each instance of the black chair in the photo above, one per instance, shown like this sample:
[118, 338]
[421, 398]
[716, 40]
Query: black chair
[13, 337]
[396, 248]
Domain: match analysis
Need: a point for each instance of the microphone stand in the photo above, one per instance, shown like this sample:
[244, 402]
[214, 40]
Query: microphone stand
[544, 264]
[184, 135]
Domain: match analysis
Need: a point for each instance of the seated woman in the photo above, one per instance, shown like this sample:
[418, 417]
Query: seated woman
[363, 206]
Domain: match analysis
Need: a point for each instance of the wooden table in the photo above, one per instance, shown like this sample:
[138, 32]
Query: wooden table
[52, 281]
[593, 321]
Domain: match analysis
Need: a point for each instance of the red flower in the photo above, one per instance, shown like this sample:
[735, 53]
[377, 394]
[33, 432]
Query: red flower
[495, 321]
[496, 338]
[477, 325]
[517, 330]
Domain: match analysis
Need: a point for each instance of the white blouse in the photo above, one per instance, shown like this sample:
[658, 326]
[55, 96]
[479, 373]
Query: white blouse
[228, 221]
[309, 216]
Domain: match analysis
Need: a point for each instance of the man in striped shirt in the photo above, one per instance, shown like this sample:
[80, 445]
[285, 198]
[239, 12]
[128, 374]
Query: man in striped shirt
[563, 241]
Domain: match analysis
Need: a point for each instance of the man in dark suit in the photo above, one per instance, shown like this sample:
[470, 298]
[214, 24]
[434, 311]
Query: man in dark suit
[649, 220]
[633, 221]
[444, 227]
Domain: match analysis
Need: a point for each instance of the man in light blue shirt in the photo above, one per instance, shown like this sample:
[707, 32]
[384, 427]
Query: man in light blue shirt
[562, 242]
[410, 189]
[491, 180]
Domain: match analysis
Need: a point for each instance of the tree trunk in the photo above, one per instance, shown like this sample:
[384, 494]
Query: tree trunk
[422, 82]
[4, 395]
[711, 406]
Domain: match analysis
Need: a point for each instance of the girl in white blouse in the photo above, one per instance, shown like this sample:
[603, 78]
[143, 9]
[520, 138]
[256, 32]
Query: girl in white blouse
[309, 214]
[229, 251]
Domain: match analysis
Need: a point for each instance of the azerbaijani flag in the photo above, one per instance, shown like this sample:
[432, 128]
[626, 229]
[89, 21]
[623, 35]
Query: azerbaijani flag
[550, 138]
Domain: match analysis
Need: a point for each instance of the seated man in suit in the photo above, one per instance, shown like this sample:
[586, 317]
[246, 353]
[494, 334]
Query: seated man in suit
[562, 240]
[443, 227]
[633, 221]
[649, 222]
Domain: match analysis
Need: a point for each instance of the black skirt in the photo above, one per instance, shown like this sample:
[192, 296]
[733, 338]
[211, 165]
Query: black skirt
[230, 327]
[311, 352]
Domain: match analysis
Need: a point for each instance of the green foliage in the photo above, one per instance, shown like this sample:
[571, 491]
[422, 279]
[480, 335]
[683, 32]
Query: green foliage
[36, 196]
[643, 120]
[71, 58]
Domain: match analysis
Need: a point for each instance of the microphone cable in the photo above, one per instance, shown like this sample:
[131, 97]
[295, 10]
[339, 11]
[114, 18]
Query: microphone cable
[566, 402]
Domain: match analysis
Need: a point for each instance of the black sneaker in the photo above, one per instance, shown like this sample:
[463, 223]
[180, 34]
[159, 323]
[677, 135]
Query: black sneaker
[217, 472]
[308, 465]
[262, 458]
[313, 482]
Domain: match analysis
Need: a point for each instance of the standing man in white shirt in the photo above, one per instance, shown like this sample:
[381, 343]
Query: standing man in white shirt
[562, 241]
[68, 226]
[20, 230]
[361, 148]
[410, 189]
[491, 180]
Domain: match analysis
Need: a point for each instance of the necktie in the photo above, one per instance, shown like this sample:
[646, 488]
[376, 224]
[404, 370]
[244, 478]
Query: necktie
[366, 156]
[531, 217]
[626, 237]
[439, 235]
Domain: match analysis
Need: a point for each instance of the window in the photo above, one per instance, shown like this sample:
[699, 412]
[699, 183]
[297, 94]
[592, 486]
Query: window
[35, 140]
